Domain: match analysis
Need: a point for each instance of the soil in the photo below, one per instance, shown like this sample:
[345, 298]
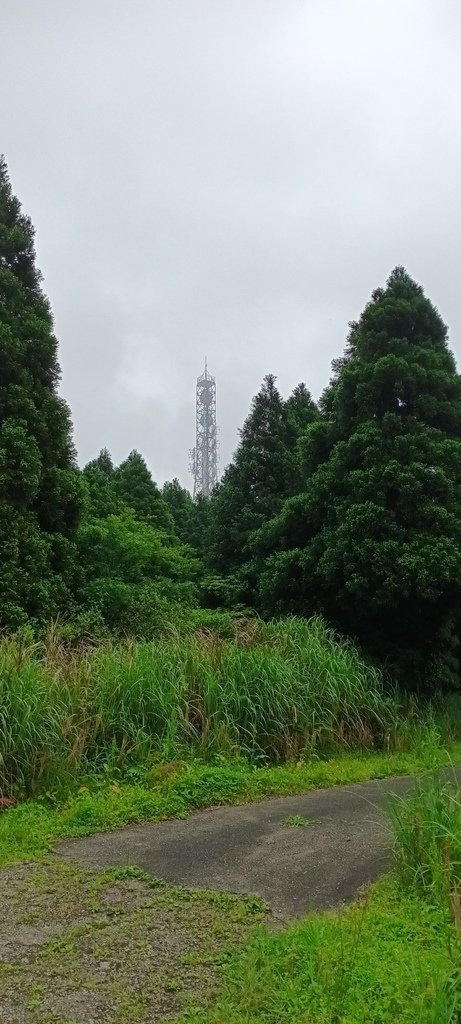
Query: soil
[110, 947]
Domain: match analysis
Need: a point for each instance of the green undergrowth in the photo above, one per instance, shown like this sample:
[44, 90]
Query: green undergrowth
[276, 692]
[177, 788]
[393, 956]
[384, 960]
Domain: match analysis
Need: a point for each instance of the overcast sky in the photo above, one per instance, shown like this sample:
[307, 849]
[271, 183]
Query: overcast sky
[229, 178]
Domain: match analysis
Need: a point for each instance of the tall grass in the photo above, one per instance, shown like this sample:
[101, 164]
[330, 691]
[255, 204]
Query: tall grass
[276, 691]
[427, 831]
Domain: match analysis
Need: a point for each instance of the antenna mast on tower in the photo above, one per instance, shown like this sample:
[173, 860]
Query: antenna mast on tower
[204, 462]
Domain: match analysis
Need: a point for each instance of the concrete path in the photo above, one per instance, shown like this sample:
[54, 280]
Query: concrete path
[248, 848]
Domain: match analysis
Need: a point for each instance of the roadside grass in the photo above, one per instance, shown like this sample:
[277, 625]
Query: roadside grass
[427, 827]
[92, 740]
[109, 800]
[383, 960]
[275, 693]
[393, 956]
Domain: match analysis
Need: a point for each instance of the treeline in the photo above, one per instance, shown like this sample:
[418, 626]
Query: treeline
[364, 523]
[350, 507]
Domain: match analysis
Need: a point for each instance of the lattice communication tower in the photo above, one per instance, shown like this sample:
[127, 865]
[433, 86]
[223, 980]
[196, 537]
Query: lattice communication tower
[204, 457]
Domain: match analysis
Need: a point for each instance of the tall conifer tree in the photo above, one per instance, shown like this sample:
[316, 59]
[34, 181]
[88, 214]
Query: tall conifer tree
[136, 488]
[375, 539]
[264, 472]
[300, 412]
[40, 493]
[99, 477]
[183, 510]
[254, 483]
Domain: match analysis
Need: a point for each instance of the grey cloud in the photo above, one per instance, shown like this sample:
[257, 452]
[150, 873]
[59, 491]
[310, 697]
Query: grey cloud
[230, 178]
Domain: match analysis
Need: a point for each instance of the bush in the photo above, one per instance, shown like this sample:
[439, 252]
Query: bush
[271, 692]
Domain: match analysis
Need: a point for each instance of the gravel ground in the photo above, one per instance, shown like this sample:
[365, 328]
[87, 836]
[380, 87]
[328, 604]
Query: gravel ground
[110, 947]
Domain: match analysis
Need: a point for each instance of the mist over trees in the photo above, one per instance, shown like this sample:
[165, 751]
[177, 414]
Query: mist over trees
[350, 506]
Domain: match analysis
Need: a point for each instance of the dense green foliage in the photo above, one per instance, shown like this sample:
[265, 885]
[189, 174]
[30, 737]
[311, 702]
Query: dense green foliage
[374, 539]
[182, 511]
[135, 488]
[427, 825]
[133, 579]
[40, 493]
[136, 576]
[265, 472]
[273, 692]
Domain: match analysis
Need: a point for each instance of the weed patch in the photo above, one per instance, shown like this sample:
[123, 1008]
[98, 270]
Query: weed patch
[286, 691]
[296, 821]
[381, 961]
